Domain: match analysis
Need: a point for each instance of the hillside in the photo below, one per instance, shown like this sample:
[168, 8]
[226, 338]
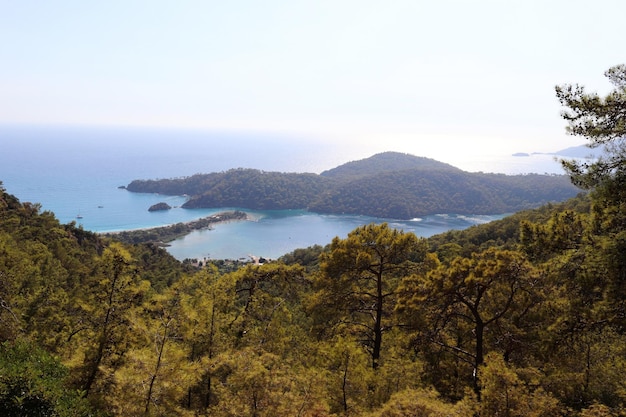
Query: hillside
[387, 185]
[412, 193]
[525, 316]
[386, 162]
[85, 320]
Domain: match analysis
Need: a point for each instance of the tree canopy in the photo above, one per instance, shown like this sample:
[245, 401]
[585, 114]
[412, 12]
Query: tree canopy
[602, 121]
[388, 185]
[522, 316]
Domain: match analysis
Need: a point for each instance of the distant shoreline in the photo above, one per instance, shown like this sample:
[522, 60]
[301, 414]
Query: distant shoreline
[162, 235]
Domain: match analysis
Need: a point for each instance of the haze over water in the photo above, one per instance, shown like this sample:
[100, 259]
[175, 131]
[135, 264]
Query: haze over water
[76, 172]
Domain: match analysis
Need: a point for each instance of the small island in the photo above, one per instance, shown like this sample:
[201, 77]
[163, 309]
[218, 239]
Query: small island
[160, 207]
[162, 235]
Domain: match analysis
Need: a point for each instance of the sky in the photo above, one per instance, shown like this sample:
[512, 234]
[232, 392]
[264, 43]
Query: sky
[424, 77]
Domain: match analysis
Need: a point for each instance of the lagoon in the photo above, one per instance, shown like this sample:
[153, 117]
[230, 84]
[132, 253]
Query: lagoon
[272, 234]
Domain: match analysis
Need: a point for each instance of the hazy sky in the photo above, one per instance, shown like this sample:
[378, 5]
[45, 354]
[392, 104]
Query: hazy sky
[424, 77]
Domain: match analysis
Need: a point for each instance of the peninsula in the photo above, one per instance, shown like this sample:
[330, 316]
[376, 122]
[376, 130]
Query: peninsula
[164, 234]
[389, 185]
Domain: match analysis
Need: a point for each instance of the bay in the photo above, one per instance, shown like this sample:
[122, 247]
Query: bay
[76, 172]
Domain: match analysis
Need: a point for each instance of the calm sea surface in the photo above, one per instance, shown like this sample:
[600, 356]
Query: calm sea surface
[76, 172]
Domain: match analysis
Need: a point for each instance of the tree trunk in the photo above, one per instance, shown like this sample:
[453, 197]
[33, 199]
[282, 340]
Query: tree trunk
[344, 385]
[378, 329]
[95, 365]
[480, 330]
[207, 400]
[156, 369]
[104, 335]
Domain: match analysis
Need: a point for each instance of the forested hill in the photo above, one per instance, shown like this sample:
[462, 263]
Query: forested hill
[386, 162]
[525, 316]
[388, 185]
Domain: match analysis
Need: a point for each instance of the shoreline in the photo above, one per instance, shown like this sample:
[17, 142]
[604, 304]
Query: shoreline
[162, 235]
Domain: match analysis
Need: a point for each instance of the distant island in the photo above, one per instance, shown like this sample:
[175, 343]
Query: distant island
[387, 185]
[582, 151]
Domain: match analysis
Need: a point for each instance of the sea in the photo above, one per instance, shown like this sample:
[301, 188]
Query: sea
[78, 173]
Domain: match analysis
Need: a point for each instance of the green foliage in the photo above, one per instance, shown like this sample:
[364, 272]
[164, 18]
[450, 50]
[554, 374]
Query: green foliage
[349, 375]
[264, 384]
[388, 185]
[41, 262]
[249, 188]
[504, 393]
[602, 120]
[473, 305]
[565, 231]
[269, 310]
[523, 316]
[103, 316]
[412, 193]
[587, 368]
[504, 233]
[164, 234]
[385, 162]
[359, 278]
[33, 383]
[306, 257]
[423, 403]
[157, 372]
[598, 410]
[157, 266]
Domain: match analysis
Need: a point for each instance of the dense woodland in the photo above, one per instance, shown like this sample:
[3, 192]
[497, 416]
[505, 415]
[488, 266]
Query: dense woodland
[387, 185]
[525, 316]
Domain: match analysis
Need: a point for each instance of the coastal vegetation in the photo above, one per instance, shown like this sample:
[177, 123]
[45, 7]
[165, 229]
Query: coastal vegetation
[162, 235]
[525, 316]
[387, 185]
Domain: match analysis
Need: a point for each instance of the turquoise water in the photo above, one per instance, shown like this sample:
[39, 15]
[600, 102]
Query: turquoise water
[274, 233]
[76, 172]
